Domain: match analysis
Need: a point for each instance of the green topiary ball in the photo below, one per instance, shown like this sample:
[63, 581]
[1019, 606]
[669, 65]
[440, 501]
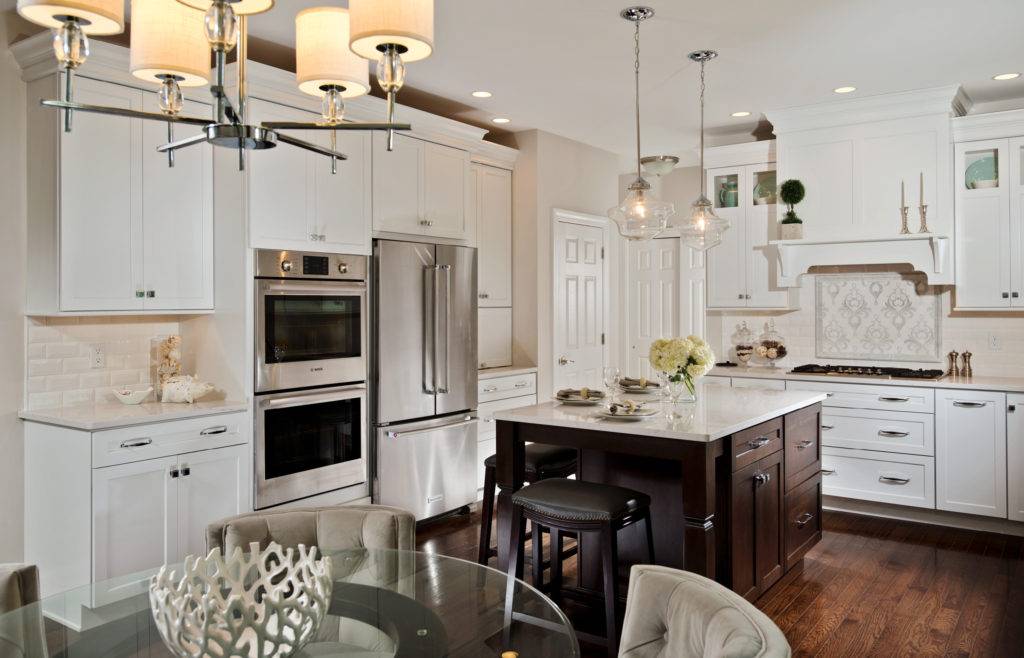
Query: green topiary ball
[792, 192]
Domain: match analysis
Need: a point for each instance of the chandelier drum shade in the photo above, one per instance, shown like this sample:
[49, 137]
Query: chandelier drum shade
[167, 41]
[96, 17]
[322, 56]
[240, 7]
[407, 24]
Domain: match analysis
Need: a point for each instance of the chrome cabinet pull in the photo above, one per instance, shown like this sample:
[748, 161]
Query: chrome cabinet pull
[828, 471]
[185, 470]
[828, 427]
[968, 405]
[894, 479]
[521, 384]
[174, 473]
[1011, 408]
[759, 442]
[136, 443]
[893, 433]
[883, 398]
[803, 519]
[490, 389]
[762, 479]
[803, 445]
[217, 429]
[484, 295]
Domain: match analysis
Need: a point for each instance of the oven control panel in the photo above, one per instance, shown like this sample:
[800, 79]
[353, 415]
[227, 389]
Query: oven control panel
[274, 264]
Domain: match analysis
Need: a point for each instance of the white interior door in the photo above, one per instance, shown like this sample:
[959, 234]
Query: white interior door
[578, 342]
[653, 299]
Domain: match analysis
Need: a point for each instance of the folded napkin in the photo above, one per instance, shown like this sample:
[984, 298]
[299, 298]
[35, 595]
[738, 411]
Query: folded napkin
[582, 393]
[624, 408]
[638, 382]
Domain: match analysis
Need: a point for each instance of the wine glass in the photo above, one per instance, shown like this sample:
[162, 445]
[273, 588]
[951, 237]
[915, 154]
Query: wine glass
[611, 381]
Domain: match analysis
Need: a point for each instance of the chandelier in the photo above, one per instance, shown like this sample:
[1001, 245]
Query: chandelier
[640, 216]
[704, 228]
[168, 47]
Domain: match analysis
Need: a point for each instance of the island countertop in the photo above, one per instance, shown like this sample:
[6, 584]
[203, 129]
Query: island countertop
[718, 412]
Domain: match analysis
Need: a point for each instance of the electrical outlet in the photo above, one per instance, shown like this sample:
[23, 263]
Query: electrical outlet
[995, 343]
[97, 356]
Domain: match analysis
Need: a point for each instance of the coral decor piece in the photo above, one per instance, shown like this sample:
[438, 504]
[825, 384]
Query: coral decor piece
[168, 359]
[184, 388]
[260, 604]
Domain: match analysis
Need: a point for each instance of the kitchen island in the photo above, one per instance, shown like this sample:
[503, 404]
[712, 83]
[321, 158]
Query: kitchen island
[735, 481]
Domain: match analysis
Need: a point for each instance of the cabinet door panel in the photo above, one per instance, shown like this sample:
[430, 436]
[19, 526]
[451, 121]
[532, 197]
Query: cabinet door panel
[827, 172]
[135, 511]
[1016, 189]
[397, 185]
[768, 551]
[101, 203]
[970, 452]
[761, 263]
[494, 235]
[342, 202]
[216, 486]
[494, 326]
[727, 262]
[177, 212]
[1015, 456]
[280, 185]
[445, 173]
[982, 233]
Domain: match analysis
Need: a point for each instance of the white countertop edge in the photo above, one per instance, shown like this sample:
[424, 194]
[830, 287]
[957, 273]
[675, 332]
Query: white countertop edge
[504, 371]
[655, 427]
[111, 416]
[979, 383]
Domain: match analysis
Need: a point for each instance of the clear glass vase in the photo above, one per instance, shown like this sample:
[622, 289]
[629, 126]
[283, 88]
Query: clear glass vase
[677, 390]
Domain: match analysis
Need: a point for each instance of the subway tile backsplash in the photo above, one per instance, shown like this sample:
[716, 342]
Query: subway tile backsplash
[59, 369]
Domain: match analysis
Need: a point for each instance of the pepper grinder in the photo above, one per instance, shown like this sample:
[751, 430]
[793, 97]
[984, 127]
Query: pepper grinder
[954, 369]
[966, 370]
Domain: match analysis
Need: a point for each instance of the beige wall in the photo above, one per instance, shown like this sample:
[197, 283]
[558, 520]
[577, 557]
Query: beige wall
[554, 172]
[12, 293]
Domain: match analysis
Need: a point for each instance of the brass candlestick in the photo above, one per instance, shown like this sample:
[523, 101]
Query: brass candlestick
[923, 209]
[904, 229]
[954, 369]
[966, 370]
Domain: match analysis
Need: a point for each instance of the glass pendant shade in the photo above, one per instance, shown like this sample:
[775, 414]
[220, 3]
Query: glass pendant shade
[322, 56]
[70, 46]
[408, 24]
[641, 216]
[704, 228]
[240, 7]
[94, 16]
[168, 40]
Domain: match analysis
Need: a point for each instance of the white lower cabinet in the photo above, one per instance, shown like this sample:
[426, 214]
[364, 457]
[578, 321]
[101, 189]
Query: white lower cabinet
[970, 452]
[499, 394]
[494, 327]
[879, 476]
[1015, 456]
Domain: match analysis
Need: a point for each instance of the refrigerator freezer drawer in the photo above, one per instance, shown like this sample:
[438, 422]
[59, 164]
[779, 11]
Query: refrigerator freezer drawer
[428, 468]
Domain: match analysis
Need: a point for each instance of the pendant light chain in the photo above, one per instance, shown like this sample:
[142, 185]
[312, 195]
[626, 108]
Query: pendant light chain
[703, 181]
[636, 76]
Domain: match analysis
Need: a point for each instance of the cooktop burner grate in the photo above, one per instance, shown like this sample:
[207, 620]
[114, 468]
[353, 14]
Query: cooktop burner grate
[867, 371]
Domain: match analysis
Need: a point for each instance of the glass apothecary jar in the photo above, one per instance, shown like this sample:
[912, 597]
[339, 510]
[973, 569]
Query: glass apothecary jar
[743, 344]
[771, 346]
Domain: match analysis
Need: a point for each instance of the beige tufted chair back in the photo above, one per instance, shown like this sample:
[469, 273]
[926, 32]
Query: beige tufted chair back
[678, 614]
[20, 635]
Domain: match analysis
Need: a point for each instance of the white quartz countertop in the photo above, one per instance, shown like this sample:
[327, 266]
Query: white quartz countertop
[506, 371]
[1005, 384]
[718, 412]
[110, 416]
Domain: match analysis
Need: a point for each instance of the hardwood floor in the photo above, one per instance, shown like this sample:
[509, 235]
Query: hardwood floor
[871, 587]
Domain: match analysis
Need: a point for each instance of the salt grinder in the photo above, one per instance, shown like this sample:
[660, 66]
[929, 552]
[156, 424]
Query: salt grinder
[954, 369]
[966, 370]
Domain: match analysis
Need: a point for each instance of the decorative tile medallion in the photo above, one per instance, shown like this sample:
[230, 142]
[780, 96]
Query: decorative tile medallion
[881, 317]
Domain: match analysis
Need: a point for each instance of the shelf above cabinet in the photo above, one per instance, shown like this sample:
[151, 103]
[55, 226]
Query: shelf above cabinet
[926, 253]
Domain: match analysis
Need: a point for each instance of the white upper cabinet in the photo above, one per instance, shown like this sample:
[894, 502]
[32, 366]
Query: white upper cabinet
[296, 202]
[420, 189]
[127, 233]
[491, 203]
[970, 452]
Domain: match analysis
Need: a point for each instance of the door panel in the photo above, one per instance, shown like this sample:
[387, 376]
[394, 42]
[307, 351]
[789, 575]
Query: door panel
[983, 271]
[1015, 456]
[215, 487]
[342, 205]
[1016, 187]
[495, 332]
[970, 452]
[458, 323]
[405, 302]
[445, 173]
[768, 551]
[579, 305]
[653, 280]
[727, 262]
[397, 184]
[761, 227]
[494, 235]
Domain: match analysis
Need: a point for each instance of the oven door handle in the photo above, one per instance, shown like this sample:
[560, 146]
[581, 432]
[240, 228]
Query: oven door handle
[292, 286]
[346, 393]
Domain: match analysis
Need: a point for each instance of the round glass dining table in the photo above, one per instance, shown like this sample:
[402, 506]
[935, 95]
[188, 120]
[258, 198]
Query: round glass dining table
[384, 603]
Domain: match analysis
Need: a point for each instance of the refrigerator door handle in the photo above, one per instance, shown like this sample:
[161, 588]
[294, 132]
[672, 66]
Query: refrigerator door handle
[430, 329]
[468, 420]
[447, 327]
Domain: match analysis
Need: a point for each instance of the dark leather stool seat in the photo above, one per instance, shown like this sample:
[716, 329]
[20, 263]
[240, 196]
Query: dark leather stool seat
[571, 500]
[542, 460]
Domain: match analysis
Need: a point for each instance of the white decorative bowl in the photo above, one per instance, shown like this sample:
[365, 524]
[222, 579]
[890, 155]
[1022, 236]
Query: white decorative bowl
[260, 604]
[128, 396]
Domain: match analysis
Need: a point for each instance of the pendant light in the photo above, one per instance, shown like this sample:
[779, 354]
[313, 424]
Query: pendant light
[640, 216]
[704, 228]
[324, 65]
[168, 47]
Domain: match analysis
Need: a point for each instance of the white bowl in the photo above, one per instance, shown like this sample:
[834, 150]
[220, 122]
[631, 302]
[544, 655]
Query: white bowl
[985, 184]
[128, 396]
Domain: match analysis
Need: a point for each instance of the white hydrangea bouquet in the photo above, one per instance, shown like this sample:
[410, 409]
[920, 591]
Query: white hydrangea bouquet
[682, 360]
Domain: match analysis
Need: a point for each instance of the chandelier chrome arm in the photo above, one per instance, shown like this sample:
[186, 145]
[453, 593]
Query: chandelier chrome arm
[310, 146]
[125, 112]
[182, 143]
[298, 125]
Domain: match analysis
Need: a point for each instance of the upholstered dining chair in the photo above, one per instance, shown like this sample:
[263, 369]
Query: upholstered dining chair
[683, 615]
[22, 637]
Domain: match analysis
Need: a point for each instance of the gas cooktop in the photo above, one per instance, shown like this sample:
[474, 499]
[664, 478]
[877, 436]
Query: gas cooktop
[867, 371]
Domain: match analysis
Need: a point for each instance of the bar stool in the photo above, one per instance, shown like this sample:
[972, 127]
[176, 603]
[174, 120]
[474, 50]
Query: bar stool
[542, 462]
[572, 506]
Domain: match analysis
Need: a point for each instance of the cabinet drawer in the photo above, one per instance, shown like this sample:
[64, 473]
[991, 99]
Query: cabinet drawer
[756, 382]
[879, 476]
[485, 412]
[500, 388]
[132, 444]
[888, 431]
[861, 396]
[759, 441]
[803, 445]
[803, 519]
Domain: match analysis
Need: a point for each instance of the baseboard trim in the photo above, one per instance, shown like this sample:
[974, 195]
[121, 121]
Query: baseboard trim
[933, 517]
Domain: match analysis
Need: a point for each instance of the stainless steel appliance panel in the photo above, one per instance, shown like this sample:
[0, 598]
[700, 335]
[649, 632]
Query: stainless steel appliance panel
[406, 290]
[428, 467]
[275, 264]
[457, 328]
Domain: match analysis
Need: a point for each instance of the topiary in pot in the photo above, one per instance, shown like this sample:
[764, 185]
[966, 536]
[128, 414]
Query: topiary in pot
[792, 192]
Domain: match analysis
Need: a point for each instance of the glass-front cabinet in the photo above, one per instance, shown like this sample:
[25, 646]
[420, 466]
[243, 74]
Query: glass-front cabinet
[742, 270]
[990, 224]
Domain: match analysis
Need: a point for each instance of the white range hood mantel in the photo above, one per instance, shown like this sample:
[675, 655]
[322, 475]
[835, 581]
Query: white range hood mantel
[925, 252]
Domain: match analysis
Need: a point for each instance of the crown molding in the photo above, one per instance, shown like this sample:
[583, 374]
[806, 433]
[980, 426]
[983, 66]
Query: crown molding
[744, 153]
[994, 125]
[947, 101]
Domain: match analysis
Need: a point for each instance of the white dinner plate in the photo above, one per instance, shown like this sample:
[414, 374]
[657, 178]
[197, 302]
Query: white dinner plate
[636, 415]
[636, 390]
[579, 402]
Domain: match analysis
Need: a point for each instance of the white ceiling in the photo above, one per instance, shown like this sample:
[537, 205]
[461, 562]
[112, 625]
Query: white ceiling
[565, 66]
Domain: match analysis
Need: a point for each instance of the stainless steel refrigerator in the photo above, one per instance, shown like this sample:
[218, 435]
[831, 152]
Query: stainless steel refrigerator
[424, 376]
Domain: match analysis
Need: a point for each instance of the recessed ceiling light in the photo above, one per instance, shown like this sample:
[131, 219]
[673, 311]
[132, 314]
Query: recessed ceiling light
[500, 120]
[482, 94]
[844, 90]
[740, 114]
[1006, 76]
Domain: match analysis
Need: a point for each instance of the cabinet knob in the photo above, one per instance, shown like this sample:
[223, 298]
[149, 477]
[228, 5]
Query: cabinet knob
[739, 296]
[150, 293]
[762, 478]
[174, 473]
[483, 295]
[1015, 295]
[185, 471]
[1006, 295]
[1011, 408]
[140, 293]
